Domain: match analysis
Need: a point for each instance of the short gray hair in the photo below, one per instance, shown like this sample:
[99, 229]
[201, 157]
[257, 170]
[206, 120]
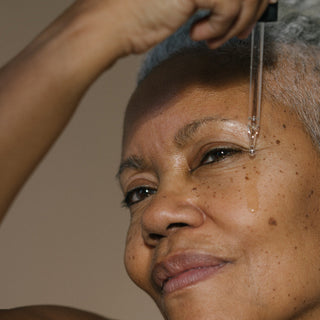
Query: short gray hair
[292, 44]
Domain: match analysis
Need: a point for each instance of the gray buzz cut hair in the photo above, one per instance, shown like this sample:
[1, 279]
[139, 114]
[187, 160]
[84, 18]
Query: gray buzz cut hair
[292, 58]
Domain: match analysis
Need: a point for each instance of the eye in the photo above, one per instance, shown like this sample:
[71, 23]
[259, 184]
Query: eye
[218, 154]
[136, 195]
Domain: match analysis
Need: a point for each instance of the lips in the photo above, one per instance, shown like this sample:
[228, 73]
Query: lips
[182, 270]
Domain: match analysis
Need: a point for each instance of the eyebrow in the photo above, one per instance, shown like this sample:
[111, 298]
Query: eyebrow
[187, 132]
[132, 162]
[181, 139]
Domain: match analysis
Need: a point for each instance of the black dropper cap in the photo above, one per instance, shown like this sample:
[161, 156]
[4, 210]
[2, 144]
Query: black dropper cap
[271, 13]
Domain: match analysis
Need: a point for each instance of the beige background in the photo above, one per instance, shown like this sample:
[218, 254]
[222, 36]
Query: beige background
[63, 239]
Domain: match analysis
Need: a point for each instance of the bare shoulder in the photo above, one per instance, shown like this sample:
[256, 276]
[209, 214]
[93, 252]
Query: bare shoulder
[48, 313]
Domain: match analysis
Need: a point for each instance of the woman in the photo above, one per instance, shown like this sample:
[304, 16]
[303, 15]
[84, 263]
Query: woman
[215, 233]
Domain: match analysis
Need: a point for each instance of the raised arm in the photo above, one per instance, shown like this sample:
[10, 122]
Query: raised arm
[41, 87]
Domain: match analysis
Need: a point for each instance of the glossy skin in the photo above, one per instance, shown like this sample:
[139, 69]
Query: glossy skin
[33, 116]
[256, 217]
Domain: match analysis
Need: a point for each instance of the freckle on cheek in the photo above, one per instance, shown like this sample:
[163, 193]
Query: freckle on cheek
[272, 221]
[277, 141]
[310, 194]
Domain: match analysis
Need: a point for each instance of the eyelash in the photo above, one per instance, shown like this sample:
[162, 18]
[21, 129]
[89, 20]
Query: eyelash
[128, 202]
[144, 192]
[219, 154]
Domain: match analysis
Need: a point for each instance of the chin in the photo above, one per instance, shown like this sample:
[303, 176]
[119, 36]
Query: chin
[206, 302]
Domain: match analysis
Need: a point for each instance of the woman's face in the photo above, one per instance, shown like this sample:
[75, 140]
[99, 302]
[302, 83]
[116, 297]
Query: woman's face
[214, 232]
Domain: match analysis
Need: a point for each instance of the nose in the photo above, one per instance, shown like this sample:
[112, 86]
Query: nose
[168, 213]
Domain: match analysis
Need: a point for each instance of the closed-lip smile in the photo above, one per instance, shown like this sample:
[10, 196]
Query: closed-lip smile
[182, 270]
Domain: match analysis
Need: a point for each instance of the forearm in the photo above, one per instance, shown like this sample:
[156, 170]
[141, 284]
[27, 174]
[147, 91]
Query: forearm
[40, 89]
[48, 312]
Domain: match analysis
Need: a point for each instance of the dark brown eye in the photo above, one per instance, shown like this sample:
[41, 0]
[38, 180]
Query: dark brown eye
[218, 154]
[138, 194]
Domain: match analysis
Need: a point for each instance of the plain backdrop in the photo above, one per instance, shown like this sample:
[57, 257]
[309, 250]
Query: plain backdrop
[62, 241]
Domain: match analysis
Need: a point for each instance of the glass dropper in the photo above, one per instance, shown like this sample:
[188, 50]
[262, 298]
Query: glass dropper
[255, 93]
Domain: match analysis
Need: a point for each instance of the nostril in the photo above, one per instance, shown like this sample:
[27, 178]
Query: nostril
[155, 236]
[176, 225]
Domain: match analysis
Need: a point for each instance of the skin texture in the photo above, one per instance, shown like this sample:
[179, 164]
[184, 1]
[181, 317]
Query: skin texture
[33, 116]
[260, 214]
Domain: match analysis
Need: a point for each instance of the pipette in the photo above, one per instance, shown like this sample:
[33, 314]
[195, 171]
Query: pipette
[256, 73]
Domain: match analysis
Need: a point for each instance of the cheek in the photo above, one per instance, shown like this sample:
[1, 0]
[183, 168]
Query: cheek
[131, 258]
[231, 196]
[263, 199]
[271, 208]
[137, 257]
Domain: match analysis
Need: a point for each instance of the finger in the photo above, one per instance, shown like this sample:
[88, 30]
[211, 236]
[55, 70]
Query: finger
[245, 34]
[208, 29]
[250, 13]
[218, 23]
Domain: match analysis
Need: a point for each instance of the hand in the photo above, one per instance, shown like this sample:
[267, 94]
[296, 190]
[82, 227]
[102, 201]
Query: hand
[229, 19]
[151, 21]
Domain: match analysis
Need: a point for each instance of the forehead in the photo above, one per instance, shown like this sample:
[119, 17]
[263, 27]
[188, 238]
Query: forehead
[183, 82]
[193, 108]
